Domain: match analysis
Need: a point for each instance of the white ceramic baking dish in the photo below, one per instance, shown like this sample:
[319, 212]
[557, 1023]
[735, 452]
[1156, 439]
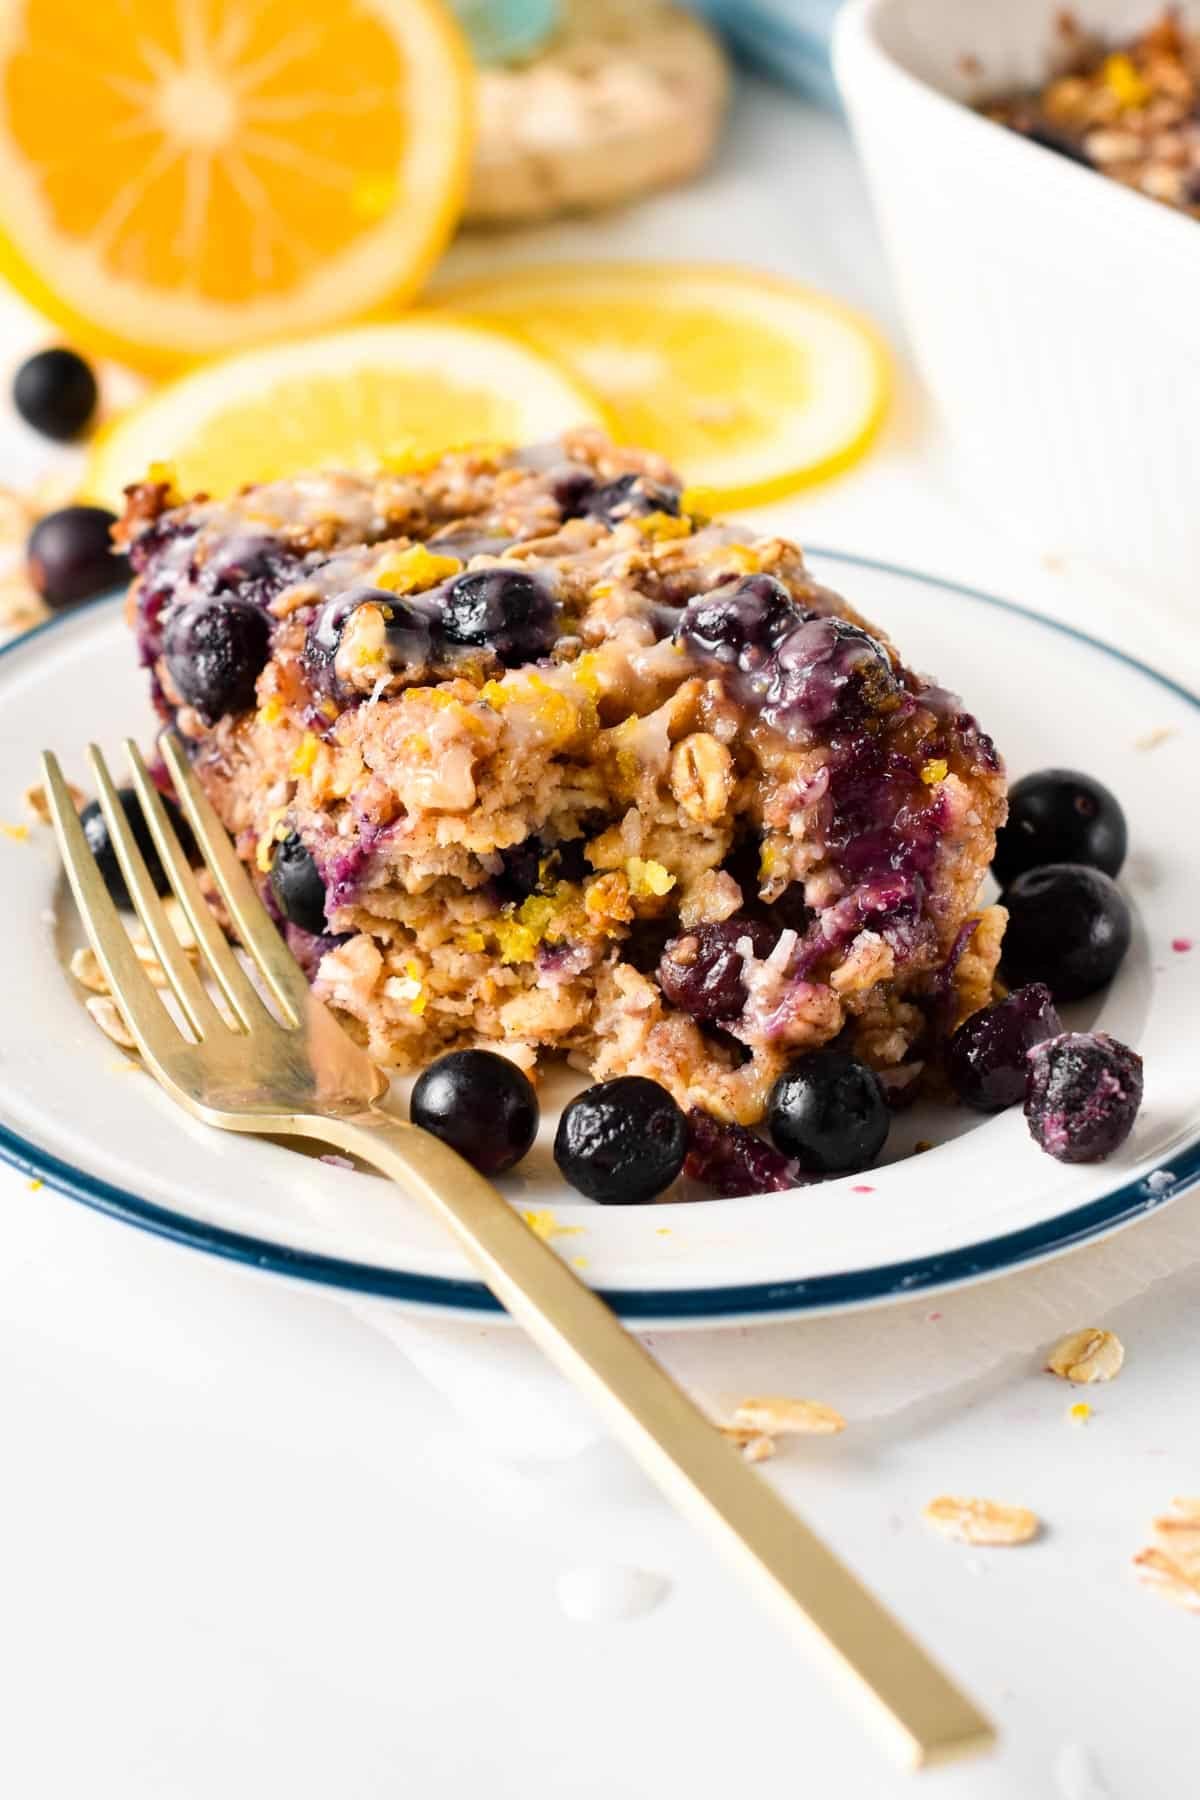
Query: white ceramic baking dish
[1054, 314]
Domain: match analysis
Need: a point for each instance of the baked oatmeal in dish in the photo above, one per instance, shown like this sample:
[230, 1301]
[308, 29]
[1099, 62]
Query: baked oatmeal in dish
[1131, 111]
[527, 755]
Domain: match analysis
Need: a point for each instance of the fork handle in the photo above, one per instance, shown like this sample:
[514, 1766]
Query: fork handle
[925, 1715]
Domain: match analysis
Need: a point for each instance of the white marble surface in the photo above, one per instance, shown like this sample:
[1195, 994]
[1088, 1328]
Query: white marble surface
[245, 1549]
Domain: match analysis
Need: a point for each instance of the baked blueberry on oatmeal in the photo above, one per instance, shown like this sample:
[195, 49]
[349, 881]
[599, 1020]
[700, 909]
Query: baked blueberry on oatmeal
[526, 753]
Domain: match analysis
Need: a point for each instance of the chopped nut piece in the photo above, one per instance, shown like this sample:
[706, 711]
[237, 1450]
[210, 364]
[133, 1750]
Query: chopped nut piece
[982, 1521]
[108, 1018]
[701, 776]
[776, 1414]
[1169, 1578]
[1087, 1356]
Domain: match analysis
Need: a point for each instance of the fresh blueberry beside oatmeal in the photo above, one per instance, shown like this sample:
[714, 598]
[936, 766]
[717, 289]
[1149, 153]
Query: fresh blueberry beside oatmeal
[536, 758]
[480, 1104]
[1060, 816]
[987, 1059]
[55, 392]
[100, 843]
[1069, 926]
[828, 1112]
[622, 1142]
[70, 555]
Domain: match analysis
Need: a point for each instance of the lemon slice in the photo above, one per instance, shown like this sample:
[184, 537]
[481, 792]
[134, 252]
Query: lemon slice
[349, 400]
[179, 177]
[751, 386]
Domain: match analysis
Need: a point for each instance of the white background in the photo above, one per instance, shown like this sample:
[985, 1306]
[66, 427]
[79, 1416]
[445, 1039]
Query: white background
[246, 1550]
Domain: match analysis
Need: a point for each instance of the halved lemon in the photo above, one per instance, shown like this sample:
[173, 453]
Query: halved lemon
[179, 177]
[752, 386]
[348, 399]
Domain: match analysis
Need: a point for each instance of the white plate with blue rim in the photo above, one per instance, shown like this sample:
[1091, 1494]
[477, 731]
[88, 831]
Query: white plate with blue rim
[77, 1115]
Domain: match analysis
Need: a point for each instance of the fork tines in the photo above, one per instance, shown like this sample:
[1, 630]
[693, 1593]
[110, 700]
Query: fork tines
[149, 1022]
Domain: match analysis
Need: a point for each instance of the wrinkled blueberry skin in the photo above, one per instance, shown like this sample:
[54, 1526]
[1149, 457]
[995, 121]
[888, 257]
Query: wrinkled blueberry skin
[1068, 926]
[579, 496]
[828, 1112]
[408, 632]
[1060, 816]
[508, 611]
[621, 1142]
[251, 566]
[741, 626]
[827, 670]
[297, 886]
[480, 1104]
[1084, 1092]
[987, 1059]
[710, 985]
[802, 669]
[215, 651]
[732, 1160]
[95, 830]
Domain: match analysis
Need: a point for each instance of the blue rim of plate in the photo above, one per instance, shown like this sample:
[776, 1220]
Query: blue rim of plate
[902, 1280]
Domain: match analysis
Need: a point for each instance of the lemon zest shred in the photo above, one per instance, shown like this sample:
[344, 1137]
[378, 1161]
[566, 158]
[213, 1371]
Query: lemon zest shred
[935, 770]
[648, 878]
[543, 1223]
[660, 525]
[406, 571]
[1125, 82]
[305, 754]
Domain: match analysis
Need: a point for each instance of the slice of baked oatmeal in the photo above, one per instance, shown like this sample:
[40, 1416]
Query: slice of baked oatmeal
[526, 754]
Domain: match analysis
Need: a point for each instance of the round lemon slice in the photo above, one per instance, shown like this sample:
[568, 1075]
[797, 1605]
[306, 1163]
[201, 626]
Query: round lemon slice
[349, 399]
[750, 385]
[179, 179]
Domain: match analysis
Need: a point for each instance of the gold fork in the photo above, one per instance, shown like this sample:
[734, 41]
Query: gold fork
[299, 1074]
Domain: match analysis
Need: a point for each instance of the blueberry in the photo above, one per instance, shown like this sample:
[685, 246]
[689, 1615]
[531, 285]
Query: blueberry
[732, 1160]
[507, 611]
[252, 565]
[521, 870]
[621, 1142]
[1068, 926]
[701, 971]
[480, 1104]
[95, 830]
[827, 669]
[828, 1111]
[1084, 1092]
[407, 633]
[1060, 816]
[627, 497]
[55, 392]
[741, 626]
[215, 651]
[71, 557]
[297, 886]
[987, 1059]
